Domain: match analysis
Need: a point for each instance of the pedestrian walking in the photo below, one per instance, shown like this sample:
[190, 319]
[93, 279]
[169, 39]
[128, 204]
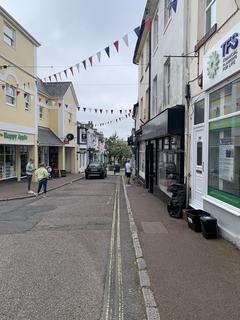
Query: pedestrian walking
[128, 171]
[29, 173]
[42, 176]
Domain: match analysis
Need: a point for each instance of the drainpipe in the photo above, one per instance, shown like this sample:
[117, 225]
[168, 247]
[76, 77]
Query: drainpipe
[150, 66]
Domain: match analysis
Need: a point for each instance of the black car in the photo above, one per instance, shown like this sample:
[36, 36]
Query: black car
[96, 169]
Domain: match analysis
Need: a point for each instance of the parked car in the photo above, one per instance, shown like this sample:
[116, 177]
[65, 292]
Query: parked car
[96, 169]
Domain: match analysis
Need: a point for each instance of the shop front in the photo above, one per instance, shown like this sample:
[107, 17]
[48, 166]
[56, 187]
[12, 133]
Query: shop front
[221, 195]
[161, 163]
[15, 149]
[49, 146]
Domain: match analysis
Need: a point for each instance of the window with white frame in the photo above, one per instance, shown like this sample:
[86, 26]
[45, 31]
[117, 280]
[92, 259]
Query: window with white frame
[155, 32]
[167, 82]
[142, 159]
[41, 113]
[27, 101]
[167, 11]
[146, 104]
[8, 34]
[147, 55]
[141, 109]
[154, 96]
[10, 95]
[210, 17]
[142, 66]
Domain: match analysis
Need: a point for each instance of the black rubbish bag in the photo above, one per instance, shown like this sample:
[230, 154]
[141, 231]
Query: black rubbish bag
[177, 202]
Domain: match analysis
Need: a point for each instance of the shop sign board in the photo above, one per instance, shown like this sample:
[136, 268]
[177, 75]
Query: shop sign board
[223, 59]
[16, 138]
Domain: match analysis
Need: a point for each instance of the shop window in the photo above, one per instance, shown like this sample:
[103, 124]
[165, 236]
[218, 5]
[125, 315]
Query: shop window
[142, 159]
[7, 162]
[199, 112]
[167, 11]
[10, 95]
[210, 10]
[27, 100]
[221, 102]
[169, 157]
[155, 32]
[224, 164]
[8, 35]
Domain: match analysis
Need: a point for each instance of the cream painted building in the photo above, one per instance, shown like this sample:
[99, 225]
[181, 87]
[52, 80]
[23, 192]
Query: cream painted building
[18, 118]
[37, 120]
[57, 125]
[214, 35]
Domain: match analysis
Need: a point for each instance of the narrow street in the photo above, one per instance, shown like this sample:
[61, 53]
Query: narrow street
[69, 255]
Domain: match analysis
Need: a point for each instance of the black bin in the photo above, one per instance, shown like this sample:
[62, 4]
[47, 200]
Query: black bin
[209, 227]
[193, 219]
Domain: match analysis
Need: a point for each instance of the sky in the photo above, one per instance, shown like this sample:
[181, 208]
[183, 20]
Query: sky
[72, 31]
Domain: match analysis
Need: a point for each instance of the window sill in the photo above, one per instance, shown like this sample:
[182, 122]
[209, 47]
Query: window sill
[11, 105]
[227, 207]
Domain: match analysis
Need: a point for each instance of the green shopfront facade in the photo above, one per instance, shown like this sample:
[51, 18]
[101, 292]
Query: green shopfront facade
[221, 148]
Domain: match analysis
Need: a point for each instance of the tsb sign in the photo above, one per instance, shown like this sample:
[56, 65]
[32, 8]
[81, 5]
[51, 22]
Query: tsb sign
[230, 43]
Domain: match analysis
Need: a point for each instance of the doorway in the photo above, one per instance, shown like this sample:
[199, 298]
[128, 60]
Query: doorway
[198, 168]
[149, 167]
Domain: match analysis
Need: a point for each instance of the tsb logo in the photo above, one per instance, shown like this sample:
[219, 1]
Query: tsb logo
[230, 43]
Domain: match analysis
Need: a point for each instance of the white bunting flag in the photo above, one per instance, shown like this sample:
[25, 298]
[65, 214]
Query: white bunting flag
[125, 39]
[99, 56]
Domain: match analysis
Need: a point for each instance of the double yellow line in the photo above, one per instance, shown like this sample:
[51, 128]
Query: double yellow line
[114, 279]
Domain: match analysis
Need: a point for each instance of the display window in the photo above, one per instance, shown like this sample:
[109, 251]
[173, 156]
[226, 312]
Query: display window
[142, 159]
[7, 162]
[169, 157]
[224, 146]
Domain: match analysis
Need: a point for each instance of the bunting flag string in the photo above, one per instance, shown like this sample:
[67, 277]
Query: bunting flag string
[113, 121]
[105, 110]
[137, 31]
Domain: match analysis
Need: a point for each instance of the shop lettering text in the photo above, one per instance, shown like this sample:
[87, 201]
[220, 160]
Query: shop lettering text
[14, 136]
[230, 43]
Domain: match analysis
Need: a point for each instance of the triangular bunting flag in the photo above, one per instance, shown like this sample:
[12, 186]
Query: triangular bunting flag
[25, 95]
[59, 104]
[112, 111]
[71, 69]
[137, 31]
[107, 49]
[77, 65]
[95, 110]
[65, 71]
[55, 76]
[78, 108]
[50, 79]
[84, 64]
[18, 92]
[90, 109]
[3, 86]
[46, 101]
[99, 56]
[90, 60]
[84, 109]
[126, 115]
[174, 5]
[60, 77]
[120, 111]
[66, 105]
[130, 110]
[125, 39]
[100, 110]
[116, 45]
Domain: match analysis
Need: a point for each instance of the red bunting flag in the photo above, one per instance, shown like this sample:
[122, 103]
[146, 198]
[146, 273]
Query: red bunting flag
[90, 60]
[59, 104]
[71, 69]
[78, 108]
[148, 24]
[116, 45]
[18, 92]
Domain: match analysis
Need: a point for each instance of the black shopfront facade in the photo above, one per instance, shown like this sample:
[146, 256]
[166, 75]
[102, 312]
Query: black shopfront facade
[163, 138]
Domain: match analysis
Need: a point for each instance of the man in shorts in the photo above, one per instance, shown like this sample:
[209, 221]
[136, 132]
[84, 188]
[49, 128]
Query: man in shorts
[128, 171]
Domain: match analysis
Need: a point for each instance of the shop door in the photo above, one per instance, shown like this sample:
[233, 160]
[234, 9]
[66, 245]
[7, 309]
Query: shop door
[198, 172]
[68, 153]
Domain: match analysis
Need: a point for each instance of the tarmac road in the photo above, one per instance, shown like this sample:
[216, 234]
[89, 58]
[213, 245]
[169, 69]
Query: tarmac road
[69, 256]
